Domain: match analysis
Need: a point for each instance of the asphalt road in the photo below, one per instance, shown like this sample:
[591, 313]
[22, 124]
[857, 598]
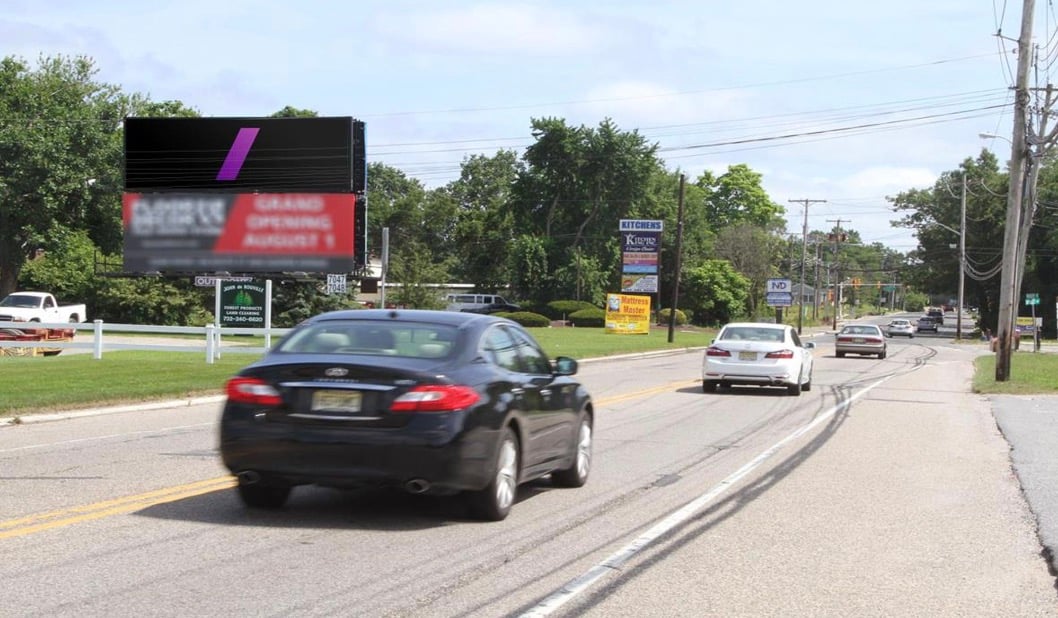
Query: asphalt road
[887, 490]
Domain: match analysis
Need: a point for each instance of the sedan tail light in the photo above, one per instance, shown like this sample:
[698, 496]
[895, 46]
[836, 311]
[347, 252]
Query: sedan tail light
[252, 390]
[435, 398]
[779, 354]
[716, 352]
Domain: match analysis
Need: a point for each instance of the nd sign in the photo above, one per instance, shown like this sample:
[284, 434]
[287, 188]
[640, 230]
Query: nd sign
[779, 285]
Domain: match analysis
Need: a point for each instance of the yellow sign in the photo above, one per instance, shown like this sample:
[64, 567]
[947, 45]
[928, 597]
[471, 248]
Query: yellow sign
[627, 314]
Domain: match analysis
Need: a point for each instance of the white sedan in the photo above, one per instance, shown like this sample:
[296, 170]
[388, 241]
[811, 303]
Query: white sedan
[902, 327]
[760, 354]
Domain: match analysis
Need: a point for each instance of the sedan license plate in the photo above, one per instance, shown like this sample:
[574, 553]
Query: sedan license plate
[858, 340]
[747, 356]
[336, 401]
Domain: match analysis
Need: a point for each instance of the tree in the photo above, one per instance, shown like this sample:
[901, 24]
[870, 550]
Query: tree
[935, 212]
[715, 292]
[421, 231]
[60, 141]
[484, 225]
[736, 197]
[754, 252]
[577, 184]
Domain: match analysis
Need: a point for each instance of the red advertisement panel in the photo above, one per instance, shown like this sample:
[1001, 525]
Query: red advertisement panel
[258, 232]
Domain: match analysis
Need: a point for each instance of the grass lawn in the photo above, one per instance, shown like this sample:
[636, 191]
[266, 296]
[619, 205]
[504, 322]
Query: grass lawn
[1030, 373]
[77, 380]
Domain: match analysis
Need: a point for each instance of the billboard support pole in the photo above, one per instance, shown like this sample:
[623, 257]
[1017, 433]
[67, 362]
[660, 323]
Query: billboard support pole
[268, 314]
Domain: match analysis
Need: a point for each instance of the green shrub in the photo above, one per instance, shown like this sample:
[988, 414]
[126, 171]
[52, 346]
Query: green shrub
[564, 309]
[591, 317]
[526, 318]
[663, 316]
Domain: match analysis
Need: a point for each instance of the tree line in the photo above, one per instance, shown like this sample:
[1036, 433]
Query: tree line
[540, 225]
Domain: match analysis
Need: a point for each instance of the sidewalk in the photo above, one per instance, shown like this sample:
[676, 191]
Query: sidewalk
[903, 505]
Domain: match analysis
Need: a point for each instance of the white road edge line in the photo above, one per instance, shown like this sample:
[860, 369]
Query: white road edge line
[614, 562]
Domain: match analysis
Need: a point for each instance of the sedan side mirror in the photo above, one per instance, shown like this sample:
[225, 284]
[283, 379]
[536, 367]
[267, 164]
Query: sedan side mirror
[565, 366]
[809, 345]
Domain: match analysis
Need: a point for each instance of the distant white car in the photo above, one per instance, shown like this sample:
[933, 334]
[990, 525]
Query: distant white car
[900, 326]
[760, 354]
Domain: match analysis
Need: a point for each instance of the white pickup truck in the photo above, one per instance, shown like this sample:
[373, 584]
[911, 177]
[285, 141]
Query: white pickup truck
[38, 307]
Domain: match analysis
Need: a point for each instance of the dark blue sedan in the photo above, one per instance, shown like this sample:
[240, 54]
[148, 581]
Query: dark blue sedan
[430, 401]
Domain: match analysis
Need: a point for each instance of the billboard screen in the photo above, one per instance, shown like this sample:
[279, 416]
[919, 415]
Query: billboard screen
[239, 233]
[245, 155]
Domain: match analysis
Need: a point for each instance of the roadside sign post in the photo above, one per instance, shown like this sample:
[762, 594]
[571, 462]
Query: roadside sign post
[778, 294]
[1033, 299]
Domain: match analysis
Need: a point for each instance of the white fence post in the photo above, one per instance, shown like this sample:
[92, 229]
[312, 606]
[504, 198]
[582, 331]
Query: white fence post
[97, 339]
[211, 343]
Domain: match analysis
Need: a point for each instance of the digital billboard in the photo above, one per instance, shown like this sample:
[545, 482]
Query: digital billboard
[245, 155]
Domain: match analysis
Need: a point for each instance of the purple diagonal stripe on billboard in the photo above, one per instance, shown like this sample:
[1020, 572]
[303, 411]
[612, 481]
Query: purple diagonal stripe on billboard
[237, 154]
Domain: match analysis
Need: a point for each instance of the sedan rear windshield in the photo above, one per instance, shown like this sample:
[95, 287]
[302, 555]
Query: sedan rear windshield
[750, 333]
[407, 339]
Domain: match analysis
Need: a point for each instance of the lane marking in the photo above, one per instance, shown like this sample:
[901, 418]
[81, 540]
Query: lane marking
[59, 518]
[77, 514]
[614, 562]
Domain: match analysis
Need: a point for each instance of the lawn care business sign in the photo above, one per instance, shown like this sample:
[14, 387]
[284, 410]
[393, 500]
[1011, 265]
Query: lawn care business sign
[242, 304]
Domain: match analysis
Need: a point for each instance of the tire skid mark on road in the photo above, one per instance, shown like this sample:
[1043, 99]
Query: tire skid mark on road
[845, 395]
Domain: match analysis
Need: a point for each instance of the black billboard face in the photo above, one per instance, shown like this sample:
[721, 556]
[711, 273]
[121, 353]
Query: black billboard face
[244, 155]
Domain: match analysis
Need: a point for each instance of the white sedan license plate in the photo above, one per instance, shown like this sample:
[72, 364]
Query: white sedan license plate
[859, 340]
[336, 401]
[747, 356]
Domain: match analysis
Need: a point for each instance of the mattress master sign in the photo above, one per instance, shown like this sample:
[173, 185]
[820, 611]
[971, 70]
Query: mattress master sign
[239, 232]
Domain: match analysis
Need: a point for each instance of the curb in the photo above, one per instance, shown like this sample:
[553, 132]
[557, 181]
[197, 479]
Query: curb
[136, 407]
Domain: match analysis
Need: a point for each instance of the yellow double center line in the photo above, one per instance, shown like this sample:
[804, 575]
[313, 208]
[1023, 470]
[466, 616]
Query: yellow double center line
[77, 514]
[40, 522]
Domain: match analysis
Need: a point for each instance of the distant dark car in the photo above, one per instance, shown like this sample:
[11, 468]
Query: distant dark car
[936, 315]
[494, 308]
[430, 401]
[926, 323]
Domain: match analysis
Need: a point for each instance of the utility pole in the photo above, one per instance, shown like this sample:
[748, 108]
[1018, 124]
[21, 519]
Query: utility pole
[962, 259]
[837, 297]
[1015, 196]
[804, 250]
[679, 252]
[815, 295]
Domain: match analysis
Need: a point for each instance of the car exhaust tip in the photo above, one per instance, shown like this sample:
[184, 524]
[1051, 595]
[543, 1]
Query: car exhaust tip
[417, 486]
[249, 477]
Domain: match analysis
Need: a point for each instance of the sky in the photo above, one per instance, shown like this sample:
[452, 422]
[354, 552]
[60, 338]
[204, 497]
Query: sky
[843, 103]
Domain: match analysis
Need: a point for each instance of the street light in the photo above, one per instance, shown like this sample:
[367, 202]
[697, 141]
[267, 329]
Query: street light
[961, 232]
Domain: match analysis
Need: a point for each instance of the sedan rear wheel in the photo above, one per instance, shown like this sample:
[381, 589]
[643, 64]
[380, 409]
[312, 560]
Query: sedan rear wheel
[794, 389]
[577, 474]
[494, 502]
[709, 386]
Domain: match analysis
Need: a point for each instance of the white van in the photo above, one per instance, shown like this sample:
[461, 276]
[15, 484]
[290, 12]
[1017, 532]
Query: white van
[478, 302]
